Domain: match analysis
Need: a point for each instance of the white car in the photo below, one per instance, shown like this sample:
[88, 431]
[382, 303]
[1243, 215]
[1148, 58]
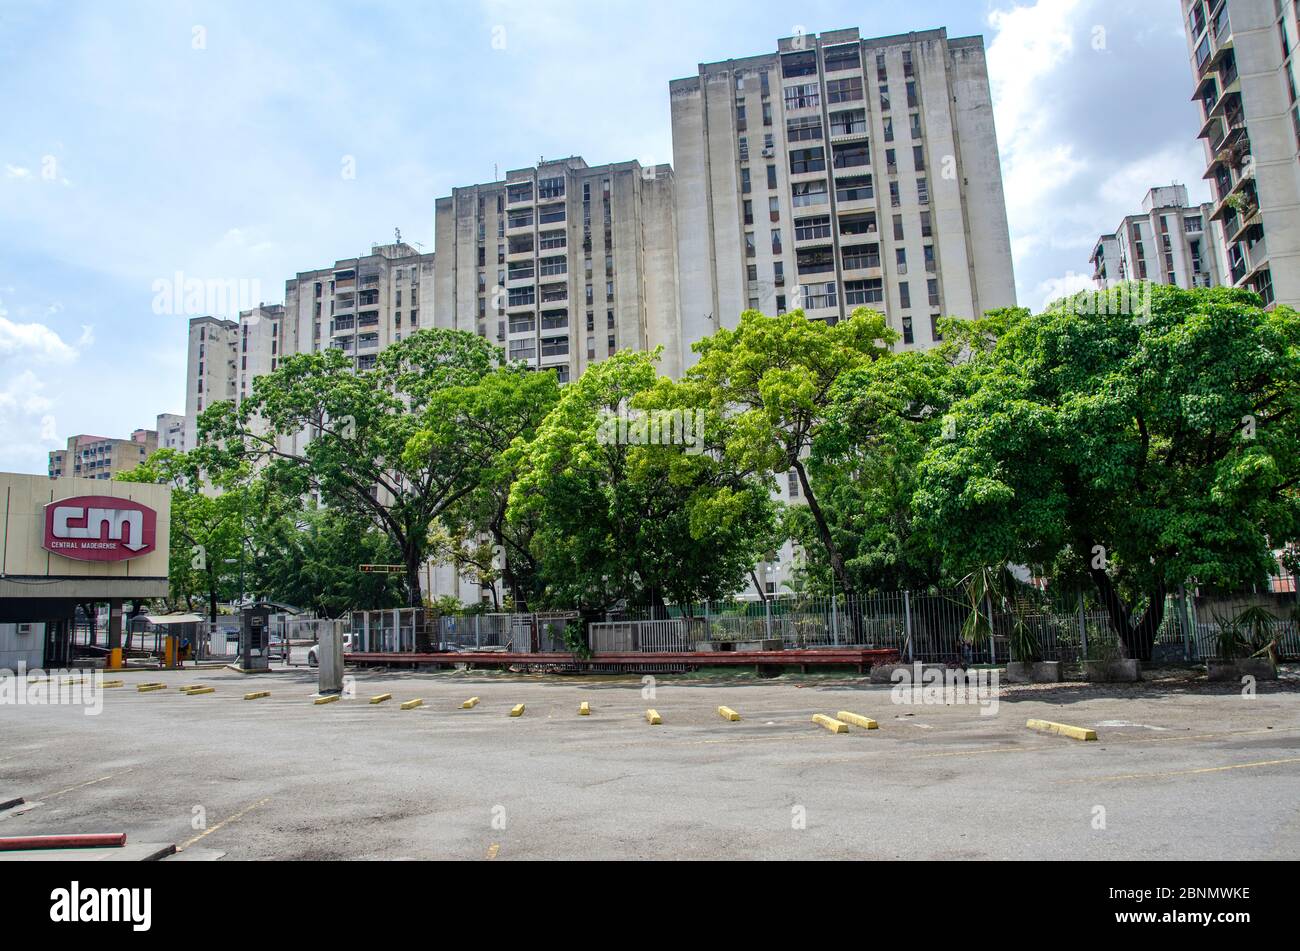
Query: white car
[313, 652]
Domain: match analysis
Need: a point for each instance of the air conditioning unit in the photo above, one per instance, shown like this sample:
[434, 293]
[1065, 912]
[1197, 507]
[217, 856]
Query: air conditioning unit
[769, 152]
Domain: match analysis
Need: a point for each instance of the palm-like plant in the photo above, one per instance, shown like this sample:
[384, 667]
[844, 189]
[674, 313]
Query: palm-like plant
[982, 587]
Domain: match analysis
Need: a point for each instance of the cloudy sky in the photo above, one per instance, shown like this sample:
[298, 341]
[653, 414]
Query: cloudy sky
[246, 140]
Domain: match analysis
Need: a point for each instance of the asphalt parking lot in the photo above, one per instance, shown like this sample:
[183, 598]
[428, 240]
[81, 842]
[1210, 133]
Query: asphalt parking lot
[1179, 770]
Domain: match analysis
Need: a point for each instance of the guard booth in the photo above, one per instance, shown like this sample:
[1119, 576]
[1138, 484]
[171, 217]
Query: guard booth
[69, 542]
[255, 637]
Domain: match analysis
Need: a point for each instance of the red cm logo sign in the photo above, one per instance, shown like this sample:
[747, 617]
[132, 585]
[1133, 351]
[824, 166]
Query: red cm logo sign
[99, 528]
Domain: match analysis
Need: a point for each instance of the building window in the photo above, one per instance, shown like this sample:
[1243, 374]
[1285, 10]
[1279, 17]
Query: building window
[803, 129]
[803, 96]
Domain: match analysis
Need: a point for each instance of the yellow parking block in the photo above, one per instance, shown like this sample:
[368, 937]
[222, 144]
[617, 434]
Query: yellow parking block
[329, 698]
[412, 704]
[197, 691]
[653, 717]
[584, 709]
[864, 723]
[259, 695]
[517, 710]
[382, 698]
[188, 687]
[832, 724]
[470, 704]
[146, 688]
[1062, 729]
[728, 714]
[110, 684]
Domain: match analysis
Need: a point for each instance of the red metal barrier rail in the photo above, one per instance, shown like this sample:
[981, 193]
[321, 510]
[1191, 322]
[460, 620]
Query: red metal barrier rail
[25, 843]
[839, 657]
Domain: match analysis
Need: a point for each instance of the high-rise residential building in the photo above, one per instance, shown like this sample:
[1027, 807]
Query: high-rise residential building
[563, 264]
[1243, 57]
[360, 305]
[261, 339]
[212, 370]
[841, 172]
[171, 432]
[1171, 242]
[101, 457]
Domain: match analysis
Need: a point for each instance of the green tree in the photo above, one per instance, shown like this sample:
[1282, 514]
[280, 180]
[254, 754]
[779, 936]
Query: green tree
[879, 421]
[770, 380]
[207, 529]
[360, 424]
[619, 519]
[1146, 448]
[312, 559]
[493, 417]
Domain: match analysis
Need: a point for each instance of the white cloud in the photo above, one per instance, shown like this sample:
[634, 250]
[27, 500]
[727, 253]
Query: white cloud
[32, 342]
[1054, 288]
[1091, 102]
[28, 425]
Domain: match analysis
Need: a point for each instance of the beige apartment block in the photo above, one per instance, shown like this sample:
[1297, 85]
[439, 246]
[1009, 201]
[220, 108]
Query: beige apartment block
[563, 264]
[360, 305]
[840, 172]
[1243, 57]
[102, 457]
[171, 431]
[212, 369]
[1171, 242]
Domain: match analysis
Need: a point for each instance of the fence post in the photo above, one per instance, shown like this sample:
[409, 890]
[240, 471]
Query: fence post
[907, 623]
[1083, 630]
[993, 639]
[767, 616]
[1186, 625]
[835, 620]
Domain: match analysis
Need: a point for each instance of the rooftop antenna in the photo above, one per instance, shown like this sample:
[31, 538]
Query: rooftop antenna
[397, 232]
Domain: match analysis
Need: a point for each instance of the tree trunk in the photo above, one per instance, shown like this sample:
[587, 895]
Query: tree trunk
[415, 599]
[1138, 638]
[823, 530]
[212, 597]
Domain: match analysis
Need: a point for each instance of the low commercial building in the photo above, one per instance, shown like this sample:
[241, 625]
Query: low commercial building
[75, 541]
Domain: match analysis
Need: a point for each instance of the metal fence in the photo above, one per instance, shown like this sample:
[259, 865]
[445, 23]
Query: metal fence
[921, 626]
[398, 631]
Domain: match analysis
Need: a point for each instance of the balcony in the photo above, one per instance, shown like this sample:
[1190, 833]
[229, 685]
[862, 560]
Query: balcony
[1256, 258]
[1227, 204]
[812, 236]
[862, 269]
[519, 224]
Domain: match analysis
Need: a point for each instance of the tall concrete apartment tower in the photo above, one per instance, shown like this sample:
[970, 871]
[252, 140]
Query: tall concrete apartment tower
[360, 305]
[839, 172]
[1171, 242]
[1244, 61]
[212, 369]
[563, 264]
